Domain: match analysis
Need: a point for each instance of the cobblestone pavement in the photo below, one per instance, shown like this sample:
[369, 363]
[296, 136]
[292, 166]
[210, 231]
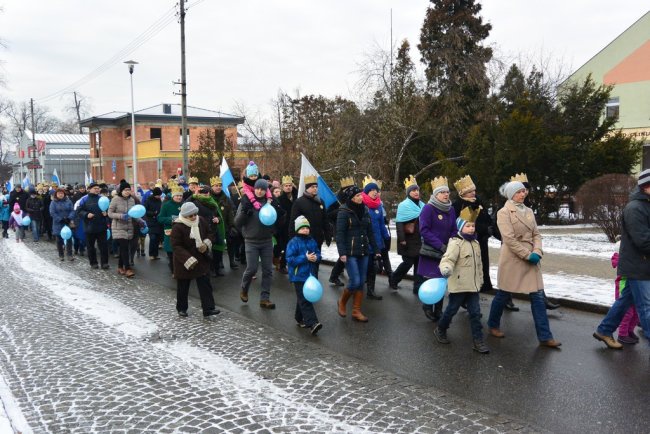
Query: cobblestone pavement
[85, 350]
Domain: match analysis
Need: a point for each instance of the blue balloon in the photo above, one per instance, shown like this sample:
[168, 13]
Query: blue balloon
[66, 233]
[103, 203]
[27, 221]
[268, 215]
[432, 290]
[144, 230]
[108, 234]
[137, 211]
[312, 289]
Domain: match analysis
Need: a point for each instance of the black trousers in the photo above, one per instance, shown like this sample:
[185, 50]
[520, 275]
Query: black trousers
[485, 259]
[305, 312]
[125, 257]
[205, 292]
[154, 241]
[170, 257]
[404, 267]
[337, 270]
[60, 242]
[102, 243]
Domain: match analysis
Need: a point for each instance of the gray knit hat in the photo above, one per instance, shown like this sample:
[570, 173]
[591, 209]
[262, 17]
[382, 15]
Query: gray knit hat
[188, 209]
[509, 189]
[301, 222]
[644, 177]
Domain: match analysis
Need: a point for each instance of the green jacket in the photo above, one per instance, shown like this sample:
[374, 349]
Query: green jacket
[168, 212]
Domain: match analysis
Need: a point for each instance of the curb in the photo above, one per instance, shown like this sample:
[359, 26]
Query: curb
[564, 302]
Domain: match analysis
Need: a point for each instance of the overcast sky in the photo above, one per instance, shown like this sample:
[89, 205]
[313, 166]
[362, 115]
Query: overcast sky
[244, 51]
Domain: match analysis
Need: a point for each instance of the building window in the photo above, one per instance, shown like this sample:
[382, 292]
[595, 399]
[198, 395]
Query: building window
[155, 133]
[180, 138]
[127, 134]
[611, 108]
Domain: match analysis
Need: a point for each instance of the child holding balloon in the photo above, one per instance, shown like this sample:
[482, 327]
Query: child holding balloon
[461, 265]
[302, 254]
[16, 223]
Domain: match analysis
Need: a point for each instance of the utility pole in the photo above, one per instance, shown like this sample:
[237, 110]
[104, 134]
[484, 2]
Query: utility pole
[77, 105]
[183, 93]
[31, 103]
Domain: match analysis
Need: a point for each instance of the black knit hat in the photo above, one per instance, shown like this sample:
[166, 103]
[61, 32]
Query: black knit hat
[156, 191]
[644, 178]
[123, 185]
[351, 191]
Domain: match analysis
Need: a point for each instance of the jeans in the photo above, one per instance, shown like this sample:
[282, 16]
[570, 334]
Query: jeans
[537, 306]
[357, 268]
[205, 292]
[154, 241]
[473, 308]
[256, 252]
[102, 243]
[35, 226]
[636, 292]
[305, 312]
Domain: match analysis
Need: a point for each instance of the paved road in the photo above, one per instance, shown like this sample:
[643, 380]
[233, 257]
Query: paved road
[583, 387]
[85, 350]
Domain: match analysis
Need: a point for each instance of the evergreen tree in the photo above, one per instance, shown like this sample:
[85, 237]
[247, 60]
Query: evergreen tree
[205, 161]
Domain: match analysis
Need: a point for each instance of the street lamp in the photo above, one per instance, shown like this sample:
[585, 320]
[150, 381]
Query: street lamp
[131, 64]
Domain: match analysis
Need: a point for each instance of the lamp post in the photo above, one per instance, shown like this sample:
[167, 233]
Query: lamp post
[131, 65]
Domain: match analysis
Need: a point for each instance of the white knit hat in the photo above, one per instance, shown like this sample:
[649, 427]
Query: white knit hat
[509, 189]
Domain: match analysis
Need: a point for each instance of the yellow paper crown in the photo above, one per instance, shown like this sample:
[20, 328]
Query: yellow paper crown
[176, 190]
[311, 179]
[159, 185]
[410, 181]
[172, 183]
[470, 215]
[521, 177]
[39, 186]
[439, 181]
[464, 185]
[193, 180]
[367, 180]
[215, 180]
[287, 179]
[347, 182]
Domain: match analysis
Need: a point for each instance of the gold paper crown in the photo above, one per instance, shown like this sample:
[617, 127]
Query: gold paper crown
[521, 177]
[193, 180]
[177, 189]
[464, 185]
[410, 181]
[39, 186]
[287, 179]
[159, 185]
[470, 215]
[172, 183]
[367, 180]
[439, 181]
[347, 182]
[215, 180]
[311, 179]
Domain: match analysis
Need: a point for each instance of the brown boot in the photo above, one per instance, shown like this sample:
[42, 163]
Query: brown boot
[356, 307]
[345, 296]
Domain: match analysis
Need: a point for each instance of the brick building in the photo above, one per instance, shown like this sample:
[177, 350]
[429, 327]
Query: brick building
[158, 140]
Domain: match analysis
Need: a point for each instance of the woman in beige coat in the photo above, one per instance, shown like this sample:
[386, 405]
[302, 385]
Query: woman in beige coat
[519, 268]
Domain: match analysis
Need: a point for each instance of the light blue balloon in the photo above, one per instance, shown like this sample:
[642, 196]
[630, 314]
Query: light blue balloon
[108, 234]
[66, 233]
[268, 215]
[144, 230]
[137, 211]
[432, 290]
[312, 289]
[27, 221]
[103, 203]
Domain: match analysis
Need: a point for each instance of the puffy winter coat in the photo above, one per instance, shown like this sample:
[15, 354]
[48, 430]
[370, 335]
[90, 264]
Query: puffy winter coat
[34, 208]
[185, 249]
[60, 210]
[634, 254]
[436, 228]
[247, 221]
[168, 212]
[297, 263]
[314, 210]
[463, 260]
[90, 205]
[20, 197]
[520, 238]
[153, 206]
[121, 229]
[354, 236]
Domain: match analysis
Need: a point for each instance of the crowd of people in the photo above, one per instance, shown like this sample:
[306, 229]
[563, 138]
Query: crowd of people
[195, 223]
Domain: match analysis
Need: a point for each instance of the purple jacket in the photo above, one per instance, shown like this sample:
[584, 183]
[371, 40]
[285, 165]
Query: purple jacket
[436, 228]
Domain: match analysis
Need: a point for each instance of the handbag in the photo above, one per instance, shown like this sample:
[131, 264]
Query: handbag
[430, 252]
[409, 228]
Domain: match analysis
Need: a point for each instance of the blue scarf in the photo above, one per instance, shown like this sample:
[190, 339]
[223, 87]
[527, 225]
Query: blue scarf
[407, 210]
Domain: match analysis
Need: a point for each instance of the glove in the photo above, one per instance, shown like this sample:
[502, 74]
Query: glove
[446, 272]
[443, 249]
[66, 221]
[125, 217]
[534, 258]
[203, 248]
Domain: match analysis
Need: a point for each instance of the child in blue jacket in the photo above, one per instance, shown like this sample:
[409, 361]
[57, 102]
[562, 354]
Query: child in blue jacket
[302, 253]
[4, 217]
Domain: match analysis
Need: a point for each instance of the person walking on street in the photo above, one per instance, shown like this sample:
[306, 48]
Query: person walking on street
[519, 263]
[633, 264]
[95, 223]
[354, 242]
[5, 213]
[123, 230]
[152, 205]
[169, 212]
[34, 208]
[16, 222]
[407, 226]
[287, 199]
[371, 200]
[62, 212]
[226, 207]
[191, 243]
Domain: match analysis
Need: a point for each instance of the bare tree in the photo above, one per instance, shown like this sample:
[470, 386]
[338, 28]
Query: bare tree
[77, 108]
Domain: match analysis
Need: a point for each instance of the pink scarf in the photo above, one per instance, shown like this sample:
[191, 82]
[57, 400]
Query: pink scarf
[250, 193]
[370, 202]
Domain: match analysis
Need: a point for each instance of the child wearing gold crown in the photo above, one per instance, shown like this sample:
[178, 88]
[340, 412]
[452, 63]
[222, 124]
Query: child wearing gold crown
[461, 265]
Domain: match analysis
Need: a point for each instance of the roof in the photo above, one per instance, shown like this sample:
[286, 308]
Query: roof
[60, 138]
[61, 151]
[156, 113]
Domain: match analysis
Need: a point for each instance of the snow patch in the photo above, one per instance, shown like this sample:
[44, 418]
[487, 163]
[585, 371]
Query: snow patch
[11, 418]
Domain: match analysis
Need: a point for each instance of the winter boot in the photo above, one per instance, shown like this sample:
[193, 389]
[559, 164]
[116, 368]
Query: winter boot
[345, 296]
[356, 307]
[371, 289]
[549, 304]
[480, 347]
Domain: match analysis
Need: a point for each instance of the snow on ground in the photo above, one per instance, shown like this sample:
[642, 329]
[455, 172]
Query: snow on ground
[574, 244]
[11, 418]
